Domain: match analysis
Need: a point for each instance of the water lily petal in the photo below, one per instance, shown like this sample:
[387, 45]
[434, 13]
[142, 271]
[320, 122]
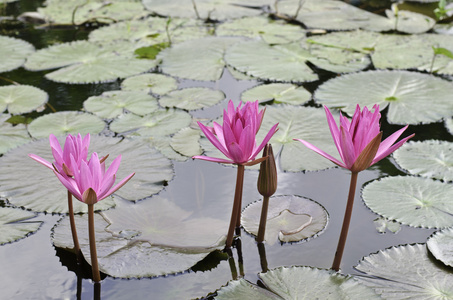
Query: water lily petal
[320, 152]
[391, 149]
[214, 159]
[118, 186]
[265, 141]
[41, 160]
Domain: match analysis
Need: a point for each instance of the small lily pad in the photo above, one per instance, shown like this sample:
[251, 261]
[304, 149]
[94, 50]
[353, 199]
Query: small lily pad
[16, 224]
[289, 219]
[413, 201]
[65, 122]
[440, 244]
[277, 92]
[387, 272]
[19, 99]
[382, 225]
[410, 22]
[112, 103]
[186, 142]
[432, 159]
[192, 98]
[11, 136]
[13, 53]
[151, 83]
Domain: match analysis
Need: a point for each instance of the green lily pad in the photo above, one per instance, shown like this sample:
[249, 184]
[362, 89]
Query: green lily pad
[150, 238]
[432, 159]
[16, 224]
[13, 53]
[298, 283]
[150, 83]
[86, 62]
[158, 123]
[192, 98]
[19, 99]
[163, 144]
[387, 272]
[289, 219]
[112, 103]
[11, 136]
[412, 98]
[440, 244]
[410, 22]
[200, 59]
[186, 142]
[413, 201]
[277, 92]
[65, 122]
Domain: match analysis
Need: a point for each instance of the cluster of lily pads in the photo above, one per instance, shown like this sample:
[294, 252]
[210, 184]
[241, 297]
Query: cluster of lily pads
[152, 47]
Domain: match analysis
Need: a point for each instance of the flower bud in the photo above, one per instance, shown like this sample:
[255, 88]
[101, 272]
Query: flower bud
[267, 179]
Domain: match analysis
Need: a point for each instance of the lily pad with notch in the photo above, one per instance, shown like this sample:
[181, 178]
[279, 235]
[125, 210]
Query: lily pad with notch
[19, 99]
[440, 244]
[150, 83]
[13, 53]
[16, 224]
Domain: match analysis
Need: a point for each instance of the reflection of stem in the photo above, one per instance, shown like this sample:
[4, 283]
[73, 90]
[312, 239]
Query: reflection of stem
[195, 8]
[240, 258]
[74, 230]
[79, 282]
[263, 219]
[346, 221]
[97, 291]
[263, 260]
[234, 272]
[236, 212]
[94, 256]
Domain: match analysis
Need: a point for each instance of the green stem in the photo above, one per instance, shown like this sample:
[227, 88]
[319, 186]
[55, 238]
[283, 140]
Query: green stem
[73, 229]
[346, 222]
[236, 211]
[94, 256]
[263, 219]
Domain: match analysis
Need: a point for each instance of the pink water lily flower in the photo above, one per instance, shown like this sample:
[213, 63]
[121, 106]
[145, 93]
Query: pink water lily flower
[236, 137]
[74, 146]
[91, 183]
[352, 139]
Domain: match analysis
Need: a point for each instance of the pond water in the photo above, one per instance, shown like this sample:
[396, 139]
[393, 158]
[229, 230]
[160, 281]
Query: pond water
[32, 268]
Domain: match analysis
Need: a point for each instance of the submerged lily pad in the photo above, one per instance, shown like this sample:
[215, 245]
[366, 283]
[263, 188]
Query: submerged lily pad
[192, 98]
[382, 225]
[112, 103]
[19, 99]
[11, 136]
[65, 122]
[278, 92]
[412, 98]
[297, 283]
[151, 238]
[432, 159]
[13, 53]
[16, 224]
[289, 219]
[387, 272]
[413, 201]
[151, 83]
[440, 244]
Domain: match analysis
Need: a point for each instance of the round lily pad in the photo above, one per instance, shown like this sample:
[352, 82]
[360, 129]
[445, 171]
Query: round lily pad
[432, 159]
[65, 122]
[413, 201]
[16, 224]
[410, 22]
[440, 244]
[186, 142]
[155, 83]
[277, 92]
[289, 219]
[13, 53]
[387, 272]
[192, 98]
[112, 103]
[11, 136]
[19, 99]
[412, 98]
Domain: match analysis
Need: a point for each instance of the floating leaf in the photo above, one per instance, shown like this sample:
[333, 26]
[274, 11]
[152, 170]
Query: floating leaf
[440, 244]
[382, 225]
[155, 83]
[413, 201]
[289, 219]
[432, 159]
[11, 136]
[65, 122]
[298, 283]
[19, 99]
[163, 144]
[112, 103]
[150, 52]
[13, 53]
[16, 224]
[278, 92]
[186, 142]
[192, 98]
[158, 123]
[410, 22]
[387, 272]
[412, 98]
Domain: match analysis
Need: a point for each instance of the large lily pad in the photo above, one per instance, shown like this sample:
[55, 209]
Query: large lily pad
[387, 272]
[277, 92]
[151, 238]
[289, 219]
[440, 244]
[412, 201]
[155, 83]
[432, 159]
[11, 136]
[16, 224]
[13, 53]
[19, 99]
[113, 103]
[298, 283]
[412, 98]
[65, 122]
[192, 98]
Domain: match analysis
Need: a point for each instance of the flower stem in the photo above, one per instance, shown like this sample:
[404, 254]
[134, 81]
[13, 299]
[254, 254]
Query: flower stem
[346, 222]
[263, 219]
[73, 229]
[94, 256]
[236, 211]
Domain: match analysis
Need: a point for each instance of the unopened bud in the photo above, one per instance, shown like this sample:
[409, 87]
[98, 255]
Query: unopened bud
[267, 179]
